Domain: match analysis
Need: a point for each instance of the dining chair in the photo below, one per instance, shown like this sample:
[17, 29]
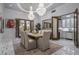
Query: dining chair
[29, 43]
[43, 43]
[22, 37]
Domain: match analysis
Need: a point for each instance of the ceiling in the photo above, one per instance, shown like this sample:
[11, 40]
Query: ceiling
[26, 6]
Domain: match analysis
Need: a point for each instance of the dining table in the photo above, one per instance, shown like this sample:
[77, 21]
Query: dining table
[35, 36]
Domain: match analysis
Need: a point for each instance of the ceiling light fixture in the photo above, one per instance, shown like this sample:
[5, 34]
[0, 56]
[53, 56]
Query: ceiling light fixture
[41, 10]
[31, 16]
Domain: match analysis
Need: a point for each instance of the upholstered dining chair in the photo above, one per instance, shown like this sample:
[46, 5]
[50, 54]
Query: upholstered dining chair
[28, 42]
[43, 43]
[22, 37]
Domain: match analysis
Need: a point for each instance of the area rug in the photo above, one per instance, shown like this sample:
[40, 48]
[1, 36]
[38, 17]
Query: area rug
[20, 50]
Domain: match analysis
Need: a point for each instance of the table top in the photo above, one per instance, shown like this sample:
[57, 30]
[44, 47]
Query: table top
[36, 35]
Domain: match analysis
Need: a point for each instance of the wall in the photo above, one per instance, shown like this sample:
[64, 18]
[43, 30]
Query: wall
[9, 13]
[12, 14]
[1, 9]
[63, 9]
[1, 15]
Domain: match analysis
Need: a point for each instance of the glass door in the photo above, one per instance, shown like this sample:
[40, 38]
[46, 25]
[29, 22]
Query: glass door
[23, 24]
[28, 25]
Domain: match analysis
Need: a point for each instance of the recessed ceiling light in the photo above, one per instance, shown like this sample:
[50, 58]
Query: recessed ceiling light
[10, 5]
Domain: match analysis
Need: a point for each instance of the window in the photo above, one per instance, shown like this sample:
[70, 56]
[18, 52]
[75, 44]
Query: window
[63, 23]
[67, 22]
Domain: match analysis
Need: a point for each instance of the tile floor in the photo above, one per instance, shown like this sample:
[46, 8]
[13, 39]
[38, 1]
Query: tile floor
[7, 40]
[68, 47]
[6, 43]
[6, 48]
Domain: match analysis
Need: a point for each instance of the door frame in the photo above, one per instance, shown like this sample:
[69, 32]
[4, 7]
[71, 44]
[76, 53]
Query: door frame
[76, 43]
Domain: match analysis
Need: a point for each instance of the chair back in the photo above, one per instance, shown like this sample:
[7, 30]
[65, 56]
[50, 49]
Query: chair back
[46, 35]
[22, 37]
[26, 39]
[45, 40]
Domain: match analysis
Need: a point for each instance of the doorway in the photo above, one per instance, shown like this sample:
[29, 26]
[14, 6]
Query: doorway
[66, 27]
[25, 25]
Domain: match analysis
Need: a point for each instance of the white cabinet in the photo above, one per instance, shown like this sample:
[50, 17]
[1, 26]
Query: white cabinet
[65, 34]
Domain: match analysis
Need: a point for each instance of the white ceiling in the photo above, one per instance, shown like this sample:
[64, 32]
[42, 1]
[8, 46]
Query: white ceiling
[26, 6]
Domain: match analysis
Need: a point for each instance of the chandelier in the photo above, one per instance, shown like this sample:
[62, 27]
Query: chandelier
[31, 15]
[41, 10]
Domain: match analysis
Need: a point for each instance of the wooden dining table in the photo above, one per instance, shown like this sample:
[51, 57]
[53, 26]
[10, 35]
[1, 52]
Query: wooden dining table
[35, 36]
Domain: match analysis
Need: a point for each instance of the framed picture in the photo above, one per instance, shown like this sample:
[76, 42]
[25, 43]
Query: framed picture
[10, 23]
